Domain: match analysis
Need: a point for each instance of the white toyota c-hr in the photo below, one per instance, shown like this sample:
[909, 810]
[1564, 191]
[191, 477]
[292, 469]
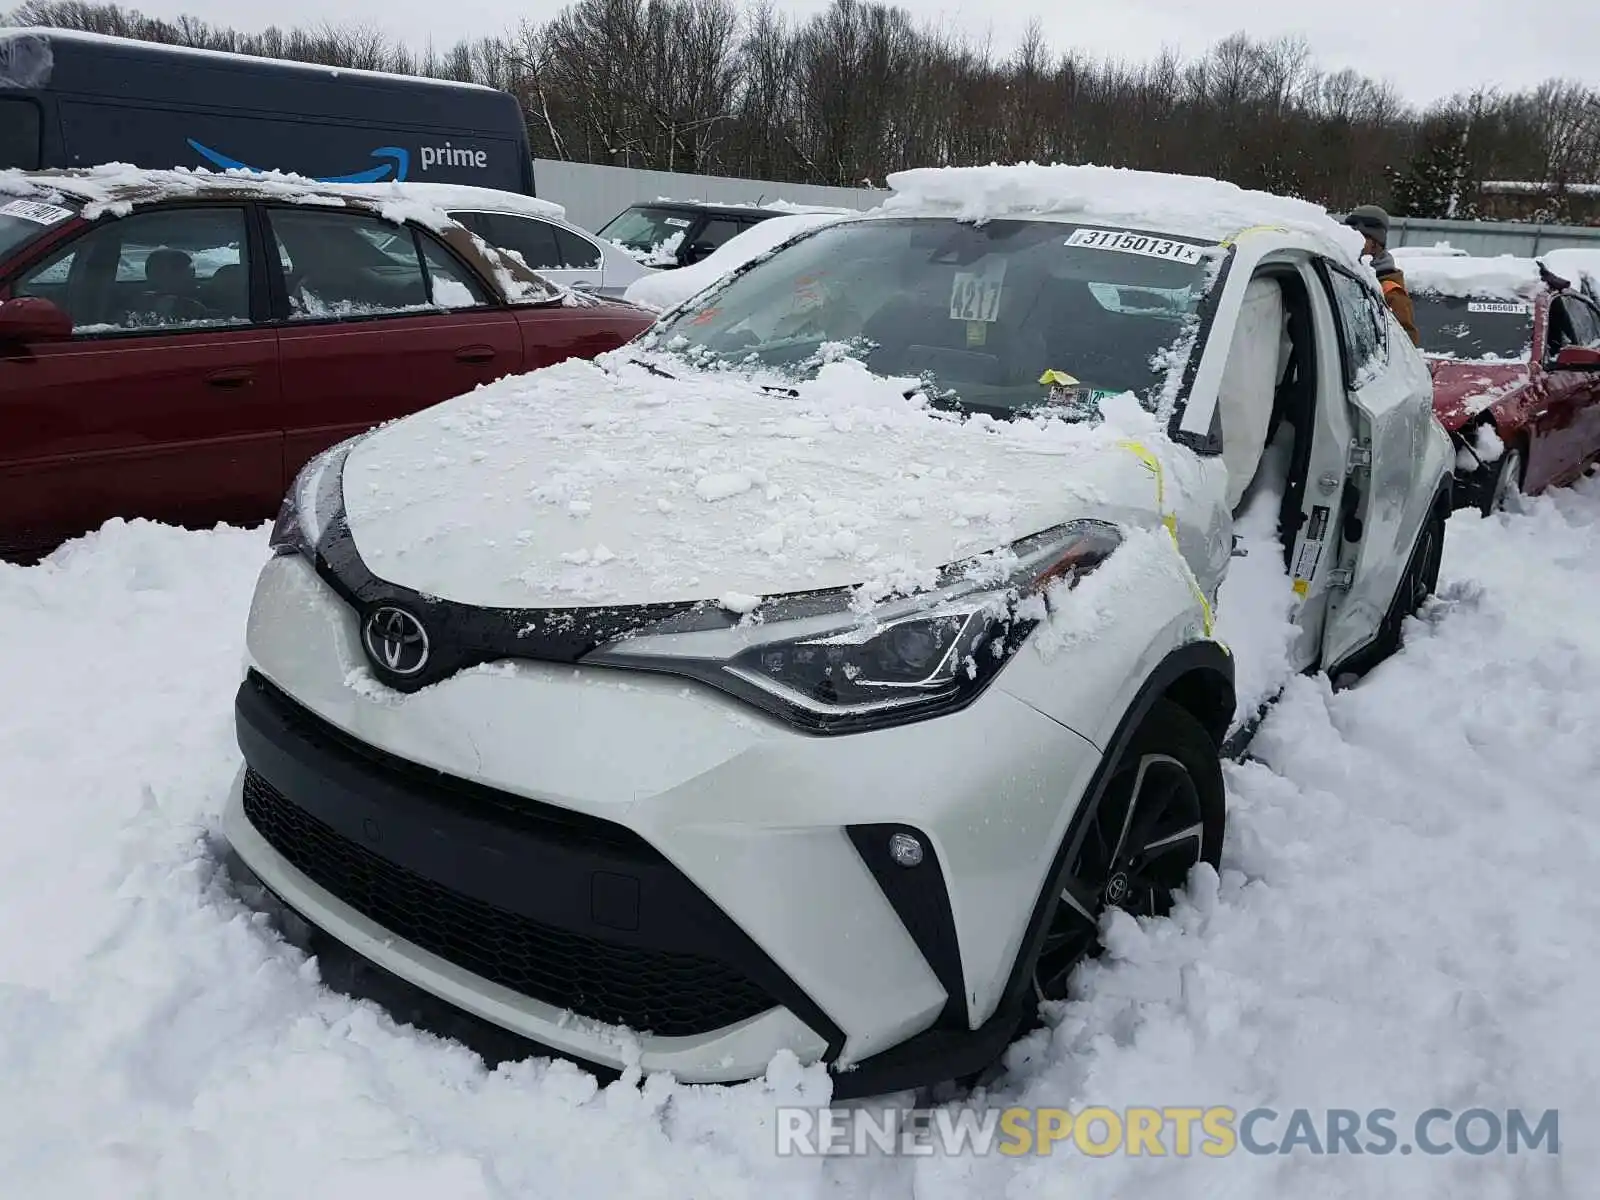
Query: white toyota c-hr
[813, 673]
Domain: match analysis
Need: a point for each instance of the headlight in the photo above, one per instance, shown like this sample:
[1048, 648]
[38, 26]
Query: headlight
[314, 500]
[895, 664]
[918, 658]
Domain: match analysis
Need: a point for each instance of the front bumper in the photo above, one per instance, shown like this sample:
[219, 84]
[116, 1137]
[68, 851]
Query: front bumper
[741, 1050]
[571, 853]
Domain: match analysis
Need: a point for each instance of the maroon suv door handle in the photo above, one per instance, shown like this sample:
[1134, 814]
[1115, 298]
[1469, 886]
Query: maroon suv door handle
[236, 377]
[475, 354]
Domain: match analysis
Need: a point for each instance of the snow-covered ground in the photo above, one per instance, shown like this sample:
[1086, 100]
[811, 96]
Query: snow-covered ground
[1406, 918]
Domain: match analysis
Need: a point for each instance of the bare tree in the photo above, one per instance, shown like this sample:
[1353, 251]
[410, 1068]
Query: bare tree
[860, 91]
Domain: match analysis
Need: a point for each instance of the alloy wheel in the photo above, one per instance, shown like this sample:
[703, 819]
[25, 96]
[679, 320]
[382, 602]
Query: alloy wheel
[1146, 834]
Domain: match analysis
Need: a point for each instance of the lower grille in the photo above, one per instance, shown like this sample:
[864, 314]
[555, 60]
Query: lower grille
[664, 993]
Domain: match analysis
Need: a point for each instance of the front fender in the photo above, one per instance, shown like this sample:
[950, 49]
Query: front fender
[1084, 666]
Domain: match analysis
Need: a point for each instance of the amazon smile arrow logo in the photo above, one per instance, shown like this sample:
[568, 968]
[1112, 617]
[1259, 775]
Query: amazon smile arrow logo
[395, 169]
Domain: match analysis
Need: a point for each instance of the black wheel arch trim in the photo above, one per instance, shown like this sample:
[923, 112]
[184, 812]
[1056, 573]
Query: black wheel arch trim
[1171, 679]
[942, 1053]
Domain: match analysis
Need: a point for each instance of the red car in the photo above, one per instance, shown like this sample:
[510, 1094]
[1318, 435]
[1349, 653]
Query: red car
[1515, 356]
[175, 345]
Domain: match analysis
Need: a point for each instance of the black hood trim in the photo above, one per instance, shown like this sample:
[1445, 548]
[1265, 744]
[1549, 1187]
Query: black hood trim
[462, 636]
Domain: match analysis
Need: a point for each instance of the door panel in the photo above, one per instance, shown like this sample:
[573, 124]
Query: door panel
[342, 379]
[1314, 535]
[552, 335]
[1586, 387]
[1554, 408]
[368, 337]
[1563, 410]
[164, 404]
[1390, 394]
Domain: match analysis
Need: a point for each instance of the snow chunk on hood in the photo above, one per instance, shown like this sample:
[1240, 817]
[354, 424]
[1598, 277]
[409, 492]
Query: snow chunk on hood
[704, 486]
[667, 289]
[1192, 205]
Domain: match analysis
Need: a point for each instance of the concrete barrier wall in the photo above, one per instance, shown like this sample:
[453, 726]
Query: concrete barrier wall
[1493, 237]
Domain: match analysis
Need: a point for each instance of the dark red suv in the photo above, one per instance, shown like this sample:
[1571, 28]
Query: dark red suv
[1515, 356]
[176, 345]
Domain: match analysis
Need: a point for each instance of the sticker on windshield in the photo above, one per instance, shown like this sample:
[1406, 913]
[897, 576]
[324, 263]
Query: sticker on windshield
[1487, 306]
[35, 211]
[1125, 241]
[975, 296]
[676, 222]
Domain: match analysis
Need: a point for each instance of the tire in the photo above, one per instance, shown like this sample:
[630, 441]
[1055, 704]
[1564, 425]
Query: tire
[1161, 812]
[1502, 482]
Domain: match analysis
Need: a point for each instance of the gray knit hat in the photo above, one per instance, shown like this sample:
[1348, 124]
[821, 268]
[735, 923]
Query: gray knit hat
[1372, 221]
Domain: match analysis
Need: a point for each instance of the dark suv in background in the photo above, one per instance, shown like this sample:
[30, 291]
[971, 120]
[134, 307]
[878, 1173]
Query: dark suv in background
[675, 233]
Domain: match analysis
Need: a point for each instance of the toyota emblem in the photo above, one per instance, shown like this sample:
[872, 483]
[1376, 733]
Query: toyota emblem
[396, 641]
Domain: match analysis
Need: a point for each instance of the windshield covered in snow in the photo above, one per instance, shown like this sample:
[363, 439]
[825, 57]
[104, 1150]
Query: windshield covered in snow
[654, 232]
[1481, 329]
[1006, 317]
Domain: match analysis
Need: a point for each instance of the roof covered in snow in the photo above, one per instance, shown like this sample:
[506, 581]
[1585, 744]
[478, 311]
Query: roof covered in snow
[116, 188]
[1506, 277]
[455, 197]
[1575, 265]
[780, 206]
[1182, 205]
[1437, 250]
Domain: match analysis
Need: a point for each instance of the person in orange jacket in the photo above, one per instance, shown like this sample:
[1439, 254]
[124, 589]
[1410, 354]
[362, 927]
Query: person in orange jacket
[1373, 223]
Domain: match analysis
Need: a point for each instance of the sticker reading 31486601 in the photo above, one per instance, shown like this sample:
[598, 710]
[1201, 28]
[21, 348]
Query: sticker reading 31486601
[35, 211]
[1126, 241]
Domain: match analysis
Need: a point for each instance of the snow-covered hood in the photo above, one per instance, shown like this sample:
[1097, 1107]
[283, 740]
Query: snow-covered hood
[601, 484]
[1463, 389]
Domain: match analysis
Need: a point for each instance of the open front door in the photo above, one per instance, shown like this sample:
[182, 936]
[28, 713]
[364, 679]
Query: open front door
[1374, 528]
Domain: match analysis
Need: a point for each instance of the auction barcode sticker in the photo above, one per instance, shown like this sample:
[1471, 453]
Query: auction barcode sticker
[1126, 241]
[35, 211]
[1486, 306]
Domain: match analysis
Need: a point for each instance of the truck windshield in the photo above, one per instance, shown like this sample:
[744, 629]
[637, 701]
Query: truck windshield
[1009, 316]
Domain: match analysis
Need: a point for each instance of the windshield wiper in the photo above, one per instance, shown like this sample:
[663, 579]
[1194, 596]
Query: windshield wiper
[652, 368]
[774, 390]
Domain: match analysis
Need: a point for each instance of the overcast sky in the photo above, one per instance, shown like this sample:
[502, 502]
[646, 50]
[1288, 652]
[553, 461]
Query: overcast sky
[1427, 48]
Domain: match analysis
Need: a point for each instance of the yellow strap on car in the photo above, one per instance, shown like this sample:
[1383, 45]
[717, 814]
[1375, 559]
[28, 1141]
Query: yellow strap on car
[1170, 520]
[1228, 241]
[1055, 378]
